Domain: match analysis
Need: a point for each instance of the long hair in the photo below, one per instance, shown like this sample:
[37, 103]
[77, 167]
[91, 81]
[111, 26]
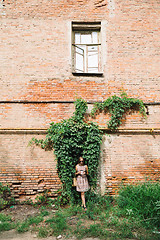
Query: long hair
[79, 160]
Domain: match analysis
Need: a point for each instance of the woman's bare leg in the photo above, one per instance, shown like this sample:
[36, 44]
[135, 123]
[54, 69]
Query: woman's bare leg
[83, 199]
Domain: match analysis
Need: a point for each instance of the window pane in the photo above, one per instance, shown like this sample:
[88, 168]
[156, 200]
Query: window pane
[86, 38]
[79, 49]
[92, 59]
[95, 37]
[93, 70]
[92, 48]
[77, 38]
[79, 62]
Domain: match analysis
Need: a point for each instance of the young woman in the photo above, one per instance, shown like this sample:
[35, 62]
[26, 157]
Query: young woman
[82, 181]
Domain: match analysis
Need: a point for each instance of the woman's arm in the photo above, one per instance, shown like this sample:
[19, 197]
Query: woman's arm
[77, 173]
[86, 169]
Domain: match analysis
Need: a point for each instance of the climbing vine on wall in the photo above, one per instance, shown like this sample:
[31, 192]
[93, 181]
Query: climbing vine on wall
[71, 139]
[117, 107]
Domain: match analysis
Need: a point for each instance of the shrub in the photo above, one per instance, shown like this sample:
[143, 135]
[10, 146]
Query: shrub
[142, 200]
[5, 196]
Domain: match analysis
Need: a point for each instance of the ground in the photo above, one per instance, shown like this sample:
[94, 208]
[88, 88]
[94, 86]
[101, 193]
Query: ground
[21, 213]
[13, 235]
[50, 222]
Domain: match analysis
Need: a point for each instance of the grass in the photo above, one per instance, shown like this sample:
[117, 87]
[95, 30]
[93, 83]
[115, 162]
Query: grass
[6, 223]
[43, 232]
[142, 200]
[124, 218]
[58, 223]
[31, 221]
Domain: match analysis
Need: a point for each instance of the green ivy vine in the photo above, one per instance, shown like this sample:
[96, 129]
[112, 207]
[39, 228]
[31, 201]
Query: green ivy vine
[71, 139]
[117, 107]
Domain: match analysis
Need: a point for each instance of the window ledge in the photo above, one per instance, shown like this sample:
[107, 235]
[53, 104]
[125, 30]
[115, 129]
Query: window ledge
[88, 74]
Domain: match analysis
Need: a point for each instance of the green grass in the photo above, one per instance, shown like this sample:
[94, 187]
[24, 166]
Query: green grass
[58, 223]
[6, 223]
[43, 232]
[123, 218]
[142, 200]
[25, 226]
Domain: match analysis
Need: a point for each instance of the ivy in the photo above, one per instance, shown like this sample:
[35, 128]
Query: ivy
[117, 107]
[71, 139]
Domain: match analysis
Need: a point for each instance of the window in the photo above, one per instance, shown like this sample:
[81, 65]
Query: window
[86, 48]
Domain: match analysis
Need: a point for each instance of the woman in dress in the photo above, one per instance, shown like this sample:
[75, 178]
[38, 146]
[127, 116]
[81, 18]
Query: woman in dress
[82, 181]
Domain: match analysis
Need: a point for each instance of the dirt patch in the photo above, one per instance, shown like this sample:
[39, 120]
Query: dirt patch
[21, 212]
[13, 235]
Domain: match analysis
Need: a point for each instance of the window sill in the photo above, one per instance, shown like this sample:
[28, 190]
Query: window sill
[88, 74]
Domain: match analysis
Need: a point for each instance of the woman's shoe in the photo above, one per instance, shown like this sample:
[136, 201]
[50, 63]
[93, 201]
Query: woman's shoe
[85, 209]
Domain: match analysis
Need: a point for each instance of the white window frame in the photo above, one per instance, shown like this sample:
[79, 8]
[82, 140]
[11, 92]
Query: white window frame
[81, 49]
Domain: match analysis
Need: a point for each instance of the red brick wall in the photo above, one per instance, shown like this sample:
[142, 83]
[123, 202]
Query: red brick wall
[35, 56]
[29, 170]
[130, 157]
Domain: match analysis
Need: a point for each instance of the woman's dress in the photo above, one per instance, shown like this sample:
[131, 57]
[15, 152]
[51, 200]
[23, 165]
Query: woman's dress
[82, 181]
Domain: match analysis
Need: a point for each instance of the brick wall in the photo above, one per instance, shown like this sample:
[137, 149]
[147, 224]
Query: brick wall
[28, 170]
[37, 85]
[130, 157]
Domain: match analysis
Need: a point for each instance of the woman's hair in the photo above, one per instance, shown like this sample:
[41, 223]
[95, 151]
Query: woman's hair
[80, 158]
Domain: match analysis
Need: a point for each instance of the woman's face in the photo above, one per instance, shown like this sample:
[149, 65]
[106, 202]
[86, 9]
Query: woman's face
[81, 161]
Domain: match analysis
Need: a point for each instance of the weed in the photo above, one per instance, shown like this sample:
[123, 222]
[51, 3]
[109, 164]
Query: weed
[103, 219]
[35, 220]
[24, 226]
[42, 232]
[4, 218]
[5, 196]
[44, 212]
[6, 226]
[58, 223]
[95, 230]
[6, 223]
[73, 210]
[79, 223]
[141, 200]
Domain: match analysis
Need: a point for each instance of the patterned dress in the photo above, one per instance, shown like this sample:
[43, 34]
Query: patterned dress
[82, 181]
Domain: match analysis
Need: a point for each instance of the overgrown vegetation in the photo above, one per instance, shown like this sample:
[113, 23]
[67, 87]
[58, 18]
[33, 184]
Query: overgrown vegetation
[118, 107]
[142, 200]
[71, 139]
[6, 223]
[5, 196]
[106, 218]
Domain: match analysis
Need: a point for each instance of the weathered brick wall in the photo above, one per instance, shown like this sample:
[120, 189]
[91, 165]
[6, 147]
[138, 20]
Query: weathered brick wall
[36, 82]
[36, 47]
[130, 157]
[28, 170]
